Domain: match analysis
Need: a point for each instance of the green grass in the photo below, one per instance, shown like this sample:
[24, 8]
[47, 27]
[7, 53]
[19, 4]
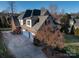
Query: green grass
[5, 29]
[71, 38]
[72, 50]
[4, 52]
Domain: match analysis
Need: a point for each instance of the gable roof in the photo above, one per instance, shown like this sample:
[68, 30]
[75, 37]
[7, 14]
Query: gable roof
[37, 26]
[77, 23]
[21, 16]
[41, 14]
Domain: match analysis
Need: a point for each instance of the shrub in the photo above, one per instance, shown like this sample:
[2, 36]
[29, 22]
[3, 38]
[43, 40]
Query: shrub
[76, 31]
[77, 17]
[51, 37]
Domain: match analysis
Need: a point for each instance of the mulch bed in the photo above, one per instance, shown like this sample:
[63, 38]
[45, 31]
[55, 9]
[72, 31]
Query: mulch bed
[53, 53]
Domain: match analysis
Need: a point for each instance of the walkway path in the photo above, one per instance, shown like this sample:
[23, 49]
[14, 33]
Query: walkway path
[74, 44]
[21, 46]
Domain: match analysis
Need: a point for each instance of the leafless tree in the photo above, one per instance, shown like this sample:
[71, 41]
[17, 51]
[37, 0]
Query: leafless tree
[42, 8]
[53, 8]
[5, 11]
[11, 7]
[12, 10]
[62, 11]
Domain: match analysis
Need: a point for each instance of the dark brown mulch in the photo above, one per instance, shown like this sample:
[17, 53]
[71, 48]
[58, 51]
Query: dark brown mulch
[54, 53]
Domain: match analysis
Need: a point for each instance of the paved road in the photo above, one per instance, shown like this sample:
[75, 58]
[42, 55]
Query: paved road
[76, 44]
[21, 46]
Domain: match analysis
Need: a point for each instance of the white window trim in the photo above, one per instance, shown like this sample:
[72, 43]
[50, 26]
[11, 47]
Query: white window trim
[27, 23]
[21, 22]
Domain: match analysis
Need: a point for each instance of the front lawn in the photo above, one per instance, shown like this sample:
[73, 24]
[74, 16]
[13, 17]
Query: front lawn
[72, 49]
[5, 29]
[4, 52]
[71, 38]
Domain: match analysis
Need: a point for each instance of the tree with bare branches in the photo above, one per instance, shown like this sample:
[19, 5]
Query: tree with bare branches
[53, 8]
[11, 7]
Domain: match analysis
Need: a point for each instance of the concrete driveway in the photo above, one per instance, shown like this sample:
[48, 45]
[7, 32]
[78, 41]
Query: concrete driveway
[21, 46]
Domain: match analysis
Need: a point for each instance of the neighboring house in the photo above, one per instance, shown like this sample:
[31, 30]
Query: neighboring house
[33, 20]
[67, 26]
[76, 24]
[71, 24]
